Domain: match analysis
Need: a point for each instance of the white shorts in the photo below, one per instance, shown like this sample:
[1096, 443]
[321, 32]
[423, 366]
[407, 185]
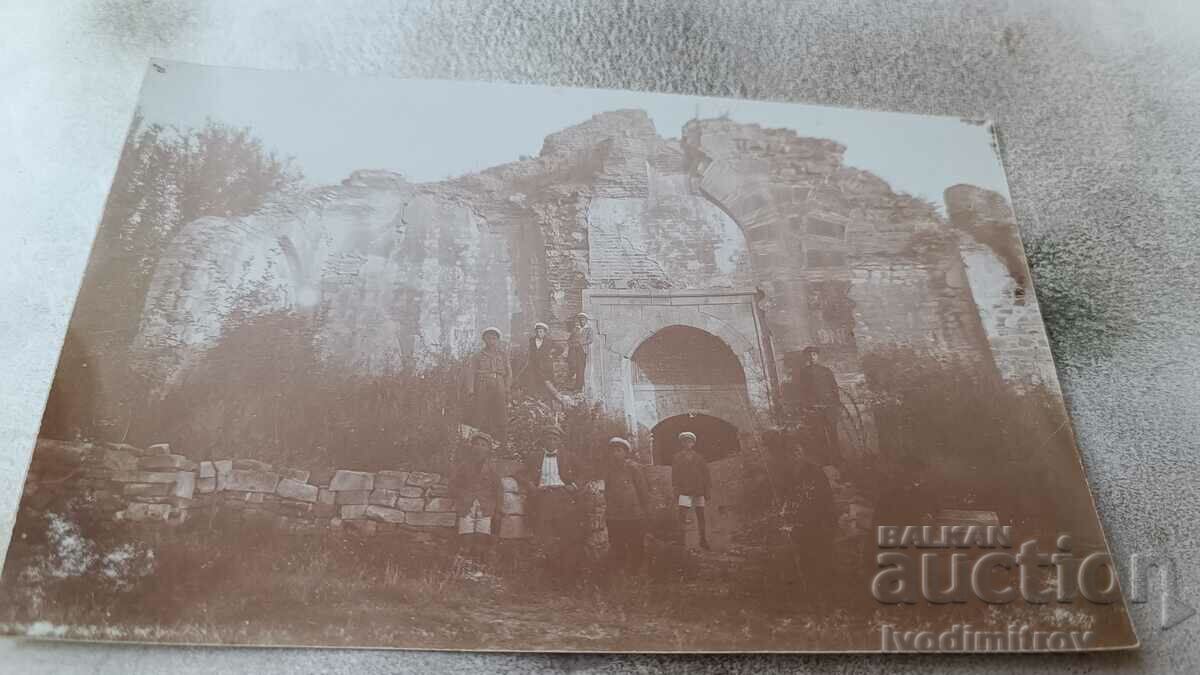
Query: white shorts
[688, 500]
[475, 522]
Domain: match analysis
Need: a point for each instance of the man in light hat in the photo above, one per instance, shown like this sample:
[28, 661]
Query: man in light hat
[626, 508]
[579, 343]
[538, 374]
[690, 478]
[489, 378]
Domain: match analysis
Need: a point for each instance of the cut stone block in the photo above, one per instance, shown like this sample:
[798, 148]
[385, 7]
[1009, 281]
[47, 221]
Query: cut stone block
[144, 477]
[185, 485]
[251, 465]
[384, 514]
[207, 470]
[510, 484]
[439, 490]
[158, 449]
[353, 496]
[382, 497]
[431, 519]
[410, 504]
[224, 467]
[206, 485]
[166, 462]
[326, 496]
[391, 480]
[320, 477]
[139, 511]
[251, 480]
[135, 490]
[422, 479]
[439, 504]
[410, 491]
[351, 480]
[351, 511]
[293, 508]
[291, 488]
[295, 474]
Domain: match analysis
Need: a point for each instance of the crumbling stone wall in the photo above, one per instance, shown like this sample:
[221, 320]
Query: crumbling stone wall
[154, 485]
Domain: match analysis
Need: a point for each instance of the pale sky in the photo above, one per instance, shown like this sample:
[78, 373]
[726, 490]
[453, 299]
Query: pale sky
[429, 130]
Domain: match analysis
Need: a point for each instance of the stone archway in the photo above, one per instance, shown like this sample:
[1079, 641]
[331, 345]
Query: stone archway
[674, 352]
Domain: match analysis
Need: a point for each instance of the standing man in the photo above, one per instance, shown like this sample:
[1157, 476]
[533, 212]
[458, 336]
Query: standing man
[690, 478]
[488, 382]
[578, 345]
[627, 506]
[548, 480]
[538, 375]
[812, 392]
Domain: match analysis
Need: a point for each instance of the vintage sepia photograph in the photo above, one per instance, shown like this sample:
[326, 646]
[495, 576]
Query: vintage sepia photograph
[477, 366]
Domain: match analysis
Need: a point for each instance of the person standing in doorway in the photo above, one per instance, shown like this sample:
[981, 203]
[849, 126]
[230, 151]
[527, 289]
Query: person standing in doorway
[691, 481]
[489, 378]
[627, 506]
[578, 345]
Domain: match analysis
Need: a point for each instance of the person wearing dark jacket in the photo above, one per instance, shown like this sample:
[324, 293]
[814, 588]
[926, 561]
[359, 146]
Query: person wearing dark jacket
[691, 481]
[813, 399]
[578, 344]
[538, 375]
[548, 479]
[627, 506]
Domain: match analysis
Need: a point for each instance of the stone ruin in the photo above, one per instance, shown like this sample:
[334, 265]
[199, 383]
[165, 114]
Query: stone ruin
[152, 485]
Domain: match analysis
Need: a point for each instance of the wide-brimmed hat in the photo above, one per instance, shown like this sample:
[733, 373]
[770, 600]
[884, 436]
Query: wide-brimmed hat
[617, 440]
[541, 325]
[492, 329]
[687, 434]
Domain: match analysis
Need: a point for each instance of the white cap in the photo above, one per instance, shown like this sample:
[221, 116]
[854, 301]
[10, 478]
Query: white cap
[687, 434]
[541, 325]
[492, 329]
[617, 440]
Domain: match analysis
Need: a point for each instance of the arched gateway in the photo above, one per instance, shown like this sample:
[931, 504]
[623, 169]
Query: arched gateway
[668, 355]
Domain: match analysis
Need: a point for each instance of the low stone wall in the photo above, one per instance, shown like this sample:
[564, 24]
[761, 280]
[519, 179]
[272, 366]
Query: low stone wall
[155, 485]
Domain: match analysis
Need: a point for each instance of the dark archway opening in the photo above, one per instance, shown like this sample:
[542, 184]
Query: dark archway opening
[715, 438]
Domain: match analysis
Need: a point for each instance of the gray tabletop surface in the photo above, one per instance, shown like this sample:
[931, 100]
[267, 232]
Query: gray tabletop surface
[1098, 105]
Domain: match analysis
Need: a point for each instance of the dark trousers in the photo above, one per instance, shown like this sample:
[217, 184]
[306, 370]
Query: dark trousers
[822, 435]
[626, 545]
[491, 406]
[577, 363]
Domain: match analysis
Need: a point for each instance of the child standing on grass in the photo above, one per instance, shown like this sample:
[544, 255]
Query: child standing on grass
[690, 478]
[476, 489]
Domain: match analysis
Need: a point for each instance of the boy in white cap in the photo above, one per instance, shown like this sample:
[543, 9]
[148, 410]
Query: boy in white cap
[488, 381]
[627, 506]
[690, 478]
